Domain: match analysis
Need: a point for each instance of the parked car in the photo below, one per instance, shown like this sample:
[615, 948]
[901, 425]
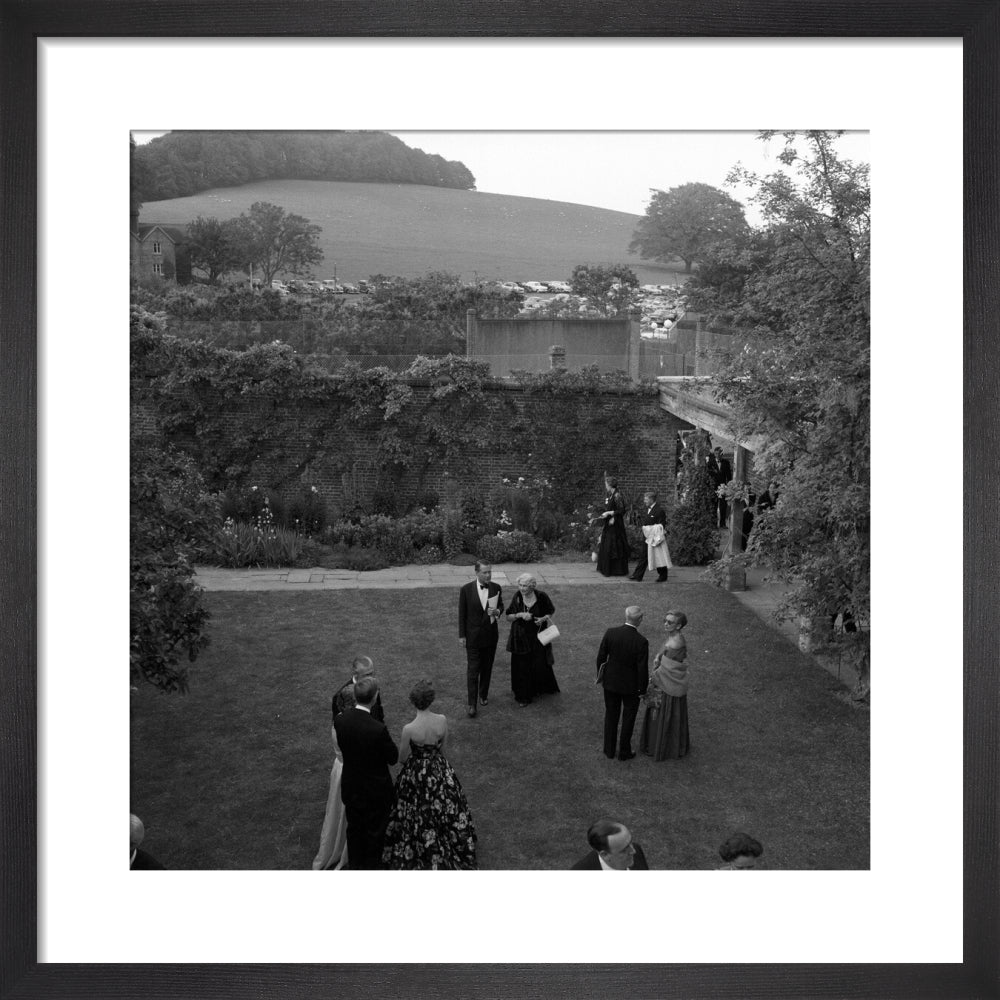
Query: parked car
[559, 286]
[349, 288]
[331, 287]
[511, 286]
[364, 287]
[535, 286]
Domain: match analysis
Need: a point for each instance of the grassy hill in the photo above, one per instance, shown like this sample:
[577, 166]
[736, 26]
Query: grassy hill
[409, 229]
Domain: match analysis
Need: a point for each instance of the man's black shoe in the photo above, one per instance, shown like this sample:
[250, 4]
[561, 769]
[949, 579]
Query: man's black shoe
[626, 756]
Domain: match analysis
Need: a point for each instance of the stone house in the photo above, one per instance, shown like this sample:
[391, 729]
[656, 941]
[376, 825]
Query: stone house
[159, 250]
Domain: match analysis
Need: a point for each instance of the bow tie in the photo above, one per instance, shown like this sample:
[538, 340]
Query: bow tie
[484, 586]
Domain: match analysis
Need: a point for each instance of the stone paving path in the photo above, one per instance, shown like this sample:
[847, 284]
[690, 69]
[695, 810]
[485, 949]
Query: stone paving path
[761, 597]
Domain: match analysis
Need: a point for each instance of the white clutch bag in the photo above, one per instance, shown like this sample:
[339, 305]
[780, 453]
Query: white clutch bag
[548, 634]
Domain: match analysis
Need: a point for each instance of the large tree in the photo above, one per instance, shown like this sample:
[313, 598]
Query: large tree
[796, 297]
[212, 248]
[609, 288]
[685, 221]
[274, 241]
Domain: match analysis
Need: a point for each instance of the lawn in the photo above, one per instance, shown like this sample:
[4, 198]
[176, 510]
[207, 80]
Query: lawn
[235, 774]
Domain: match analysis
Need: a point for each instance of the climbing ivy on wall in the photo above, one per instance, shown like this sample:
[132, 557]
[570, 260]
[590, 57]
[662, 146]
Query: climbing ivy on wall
[242, 415]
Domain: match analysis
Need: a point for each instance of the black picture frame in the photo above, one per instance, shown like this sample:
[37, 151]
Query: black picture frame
[22, 22]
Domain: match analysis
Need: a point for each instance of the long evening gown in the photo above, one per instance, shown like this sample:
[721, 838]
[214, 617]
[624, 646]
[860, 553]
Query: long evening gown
[332, 851]
[531, 663]
[612, 550]
[430, 827]
[664, 734]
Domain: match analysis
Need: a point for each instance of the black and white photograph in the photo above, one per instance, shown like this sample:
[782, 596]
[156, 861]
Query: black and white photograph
[459, 460]
[515, 432]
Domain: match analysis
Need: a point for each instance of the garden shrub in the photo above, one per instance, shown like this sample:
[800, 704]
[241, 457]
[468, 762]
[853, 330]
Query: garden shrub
[173, 518]
[692, 534]
[453, 538]
[305, 512]
[491, 549]
[427, 501]
[429, 555]
[521, 546]
[238, 545]
[364, 559]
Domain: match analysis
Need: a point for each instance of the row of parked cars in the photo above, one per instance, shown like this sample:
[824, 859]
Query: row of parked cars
[326, 287]
[535, 287]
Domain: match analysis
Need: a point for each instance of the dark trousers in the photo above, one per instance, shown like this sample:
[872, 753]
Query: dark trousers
[640, 571]
[723, 512]
[367, 820]
[626, 705]
[479, 670]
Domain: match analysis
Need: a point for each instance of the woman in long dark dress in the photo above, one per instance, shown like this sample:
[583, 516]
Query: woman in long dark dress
[530, 662]
[612, 550]
[430, 827]
[665, 720]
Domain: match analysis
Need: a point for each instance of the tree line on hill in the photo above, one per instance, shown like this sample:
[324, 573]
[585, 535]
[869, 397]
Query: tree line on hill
[184, 163]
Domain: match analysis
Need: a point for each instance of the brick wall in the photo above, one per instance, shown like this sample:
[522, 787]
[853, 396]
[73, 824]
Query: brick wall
[346, 468]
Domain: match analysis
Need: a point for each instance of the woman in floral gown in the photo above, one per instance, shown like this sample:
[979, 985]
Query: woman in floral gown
[430, 827]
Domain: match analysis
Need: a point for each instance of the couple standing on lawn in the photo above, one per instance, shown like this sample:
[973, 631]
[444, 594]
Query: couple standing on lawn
[420, 821]
[480, 604]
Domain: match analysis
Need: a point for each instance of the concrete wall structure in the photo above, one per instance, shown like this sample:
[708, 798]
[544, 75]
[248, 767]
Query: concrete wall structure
[511, 344]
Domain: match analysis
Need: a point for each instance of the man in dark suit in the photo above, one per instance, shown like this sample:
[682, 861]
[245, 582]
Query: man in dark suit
[722, 476]
[625, 655]
[655, 514]
[343, 699]
[612, 849]
[366, 786]
[480, 604]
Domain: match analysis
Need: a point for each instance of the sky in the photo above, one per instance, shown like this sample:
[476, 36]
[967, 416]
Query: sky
[605, 169]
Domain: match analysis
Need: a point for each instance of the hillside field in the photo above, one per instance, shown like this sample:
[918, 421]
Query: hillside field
[409, 229]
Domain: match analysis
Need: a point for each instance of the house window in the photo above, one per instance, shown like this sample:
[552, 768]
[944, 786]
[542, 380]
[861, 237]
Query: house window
[157, 269]
[156, 248]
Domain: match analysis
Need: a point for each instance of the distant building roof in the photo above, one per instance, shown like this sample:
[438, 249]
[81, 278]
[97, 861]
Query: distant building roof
[177, 234]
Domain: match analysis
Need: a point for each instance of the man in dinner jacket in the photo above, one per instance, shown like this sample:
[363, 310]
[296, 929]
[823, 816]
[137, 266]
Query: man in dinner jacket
[625, 655]
[478, 632]
[366, 786]
[612, 850]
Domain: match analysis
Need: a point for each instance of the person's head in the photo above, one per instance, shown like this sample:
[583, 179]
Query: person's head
[718, 452]
[613, 842]
[633, 615]
[611, 482]
[362, 667]
[137, 832]
[484, 571]
[526, 583]
[741, 850]
[366, 691]
[674, 620]
[422, 695]
[650, 498]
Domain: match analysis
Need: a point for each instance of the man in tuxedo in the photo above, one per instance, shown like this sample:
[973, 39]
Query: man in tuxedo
[655, 514]
[478, 632]
[625, 655]
[366, 787]
[722, 476]
[612, 850]
[344, 697]
[138, 858]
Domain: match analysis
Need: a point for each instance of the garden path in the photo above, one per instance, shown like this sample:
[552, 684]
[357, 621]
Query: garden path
[761, 596]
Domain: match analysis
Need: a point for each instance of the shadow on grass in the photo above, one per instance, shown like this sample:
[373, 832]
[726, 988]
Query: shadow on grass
[234, 775]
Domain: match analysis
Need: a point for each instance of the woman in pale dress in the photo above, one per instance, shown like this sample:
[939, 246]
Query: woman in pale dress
[332, 853]
[665, 721]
